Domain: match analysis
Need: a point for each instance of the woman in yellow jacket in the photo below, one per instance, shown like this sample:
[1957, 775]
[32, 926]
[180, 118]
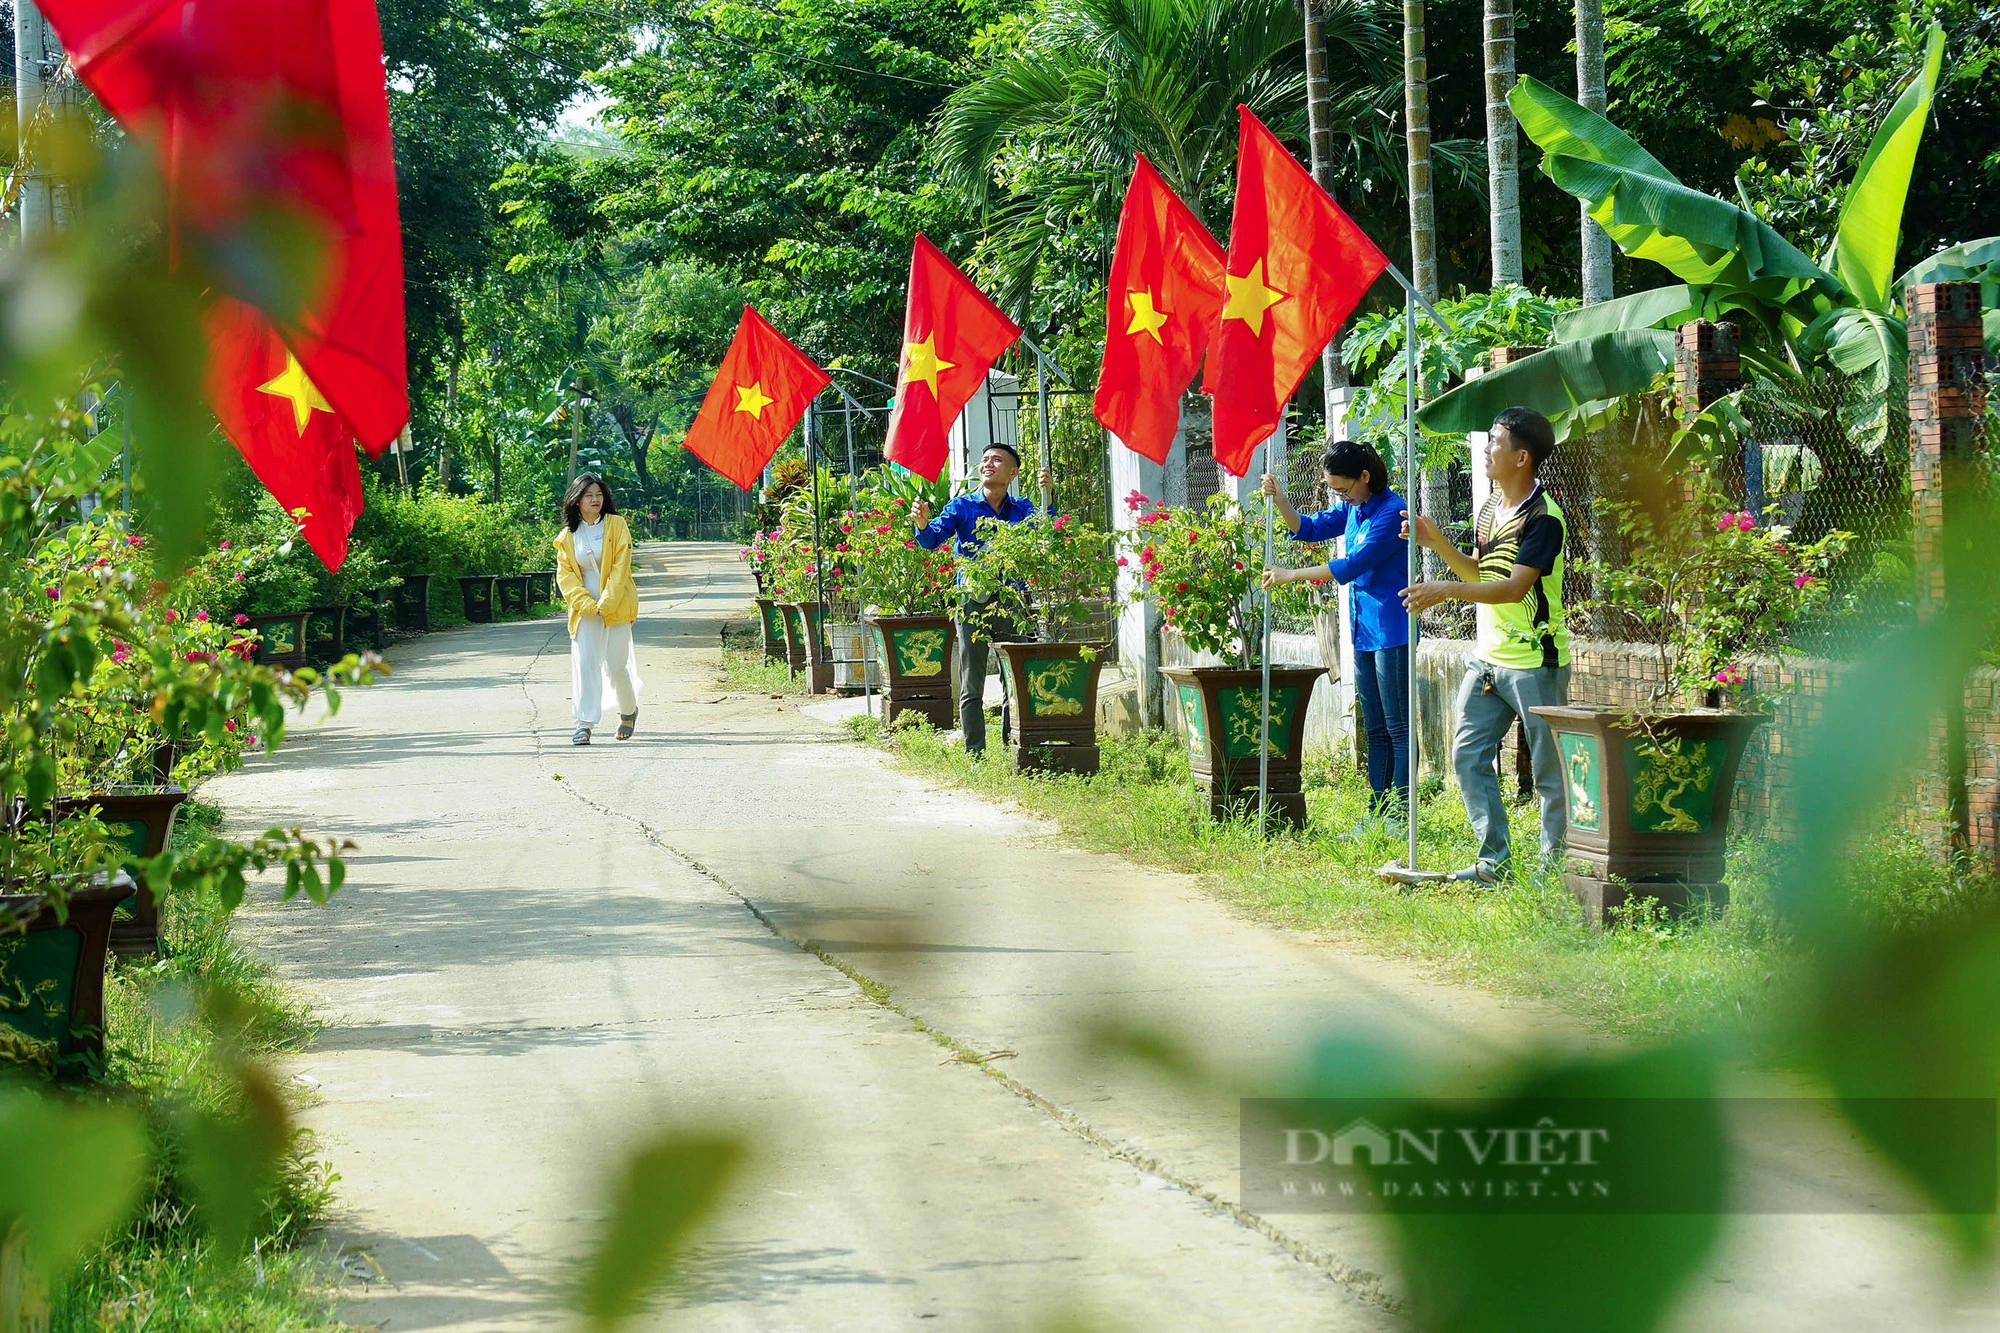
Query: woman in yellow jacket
[594, 574]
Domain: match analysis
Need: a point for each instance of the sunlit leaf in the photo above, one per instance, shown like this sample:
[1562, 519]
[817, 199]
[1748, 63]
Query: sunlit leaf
[662, 1192]
[1871, 219]
[71, 1172]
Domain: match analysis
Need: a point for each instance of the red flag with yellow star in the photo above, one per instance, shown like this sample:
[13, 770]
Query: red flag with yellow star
[952, 334]
[1165, 296]
[259, 106]
[759, 393]
[1297, 268]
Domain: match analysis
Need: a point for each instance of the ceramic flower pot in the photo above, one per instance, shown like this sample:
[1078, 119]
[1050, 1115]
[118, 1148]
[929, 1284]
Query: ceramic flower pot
[1054, 690]
[52, 977]
[795, 636]
[772, 622]
[1648, 805]
[326, 633]
[819, 651]
[542, 587]
[413, 603]
[141, 821]
[1222, 708]
[479, 595]
[281, 639]
[513, 590]
[916, 657]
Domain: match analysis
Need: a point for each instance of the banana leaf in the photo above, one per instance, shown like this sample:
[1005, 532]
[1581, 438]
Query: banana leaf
[1702, 240]
[1660, 307]
[1872, 348]
[1968, 261]
[1871, 219]
[1558, 382]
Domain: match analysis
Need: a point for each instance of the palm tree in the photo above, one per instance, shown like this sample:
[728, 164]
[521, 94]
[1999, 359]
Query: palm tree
[1417, 139]
[1591, 94]
[1319, 123]
[1503, 177]
[1097, 80]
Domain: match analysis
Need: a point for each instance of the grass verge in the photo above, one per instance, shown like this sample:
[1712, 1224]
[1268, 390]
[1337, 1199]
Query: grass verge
[163, 1271]
[1646, 974]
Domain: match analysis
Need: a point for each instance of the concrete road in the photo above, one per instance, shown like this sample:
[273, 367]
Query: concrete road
[738, 919]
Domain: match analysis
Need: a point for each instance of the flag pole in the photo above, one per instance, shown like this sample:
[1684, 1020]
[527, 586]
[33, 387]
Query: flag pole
[819, 557]
[860, 609]
[1264, 724]
[1410, 363]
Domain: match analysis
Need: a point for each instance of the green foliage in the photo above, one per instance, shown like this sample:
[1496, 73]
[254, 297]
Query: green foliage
[665, 1189]
[1198, 566]
[1051, 570]
[1511, 316]
[894, 575]
[1705, 587]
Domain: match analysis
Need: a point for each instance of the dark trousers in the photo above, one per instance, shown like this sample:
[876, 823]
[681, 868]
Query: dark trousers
[978, 629]
[1382, 681]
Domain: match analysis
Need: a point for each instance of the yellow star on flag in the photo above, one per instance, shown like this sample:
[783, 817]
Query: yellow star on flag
[924, 362]
[1249, 298]
[751, 398]
[1146, 318]
[291, 383]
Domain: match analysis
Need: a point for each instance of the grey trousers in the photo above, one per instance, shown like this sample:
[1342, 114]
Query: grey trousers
[978, 630]
[1488, 703]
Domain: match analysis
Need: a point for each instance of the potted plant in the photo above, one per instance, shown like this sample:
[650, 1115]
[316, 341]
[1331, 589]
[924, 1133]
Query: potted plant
[52, 957]
[1047, 572]
[1705, 589]
[1198, 566]
[272, 585]
[413, 602]
[906, 591]
[477, 592]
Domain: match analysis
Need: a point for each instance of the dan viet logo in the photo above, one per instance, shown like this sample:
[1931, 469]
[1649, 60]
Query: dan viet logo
[1446, 1164]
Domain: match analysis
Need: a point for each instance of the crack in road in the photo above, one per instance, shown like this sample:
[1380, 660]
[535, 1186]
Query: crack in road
[1364, 1284]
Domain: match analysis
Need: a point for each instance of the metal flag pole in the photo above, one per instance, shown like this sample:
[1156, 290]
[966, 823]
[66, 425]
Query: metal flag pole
[1264, 724]
[1415, 569]
[819, 557]
[860, 611]
[1407, 873]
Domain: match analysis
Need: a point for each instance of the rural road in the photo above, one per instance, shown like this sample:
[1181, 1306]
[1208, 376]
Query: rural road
[741, 920]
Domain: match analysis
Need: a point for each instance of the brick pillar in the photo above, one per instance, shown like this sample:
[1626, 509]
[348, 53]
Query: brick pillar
[1497, 357]
[1947, 438]
[1706, 367]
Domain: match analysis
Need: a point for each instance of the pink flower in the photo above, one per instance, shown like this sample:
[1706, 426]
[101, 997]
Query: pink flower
[1729, 675]
[54, 593]
[239, 573]
[133, 539]
[1804, 581]
[1136, 500]
[1238, 565]
[172, 615]
[201, 616]
[1745, 523]
[1062, 521]
[200, 657]
[1180, 587]
[1123, 562]
[224, 546]
[1725, 523]
[230, 725]
[242, 619]
[841, 546]
[119, 652]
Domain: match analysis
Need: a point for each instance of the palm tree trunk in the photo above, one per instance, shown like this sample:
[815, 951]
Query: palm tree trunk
[1503, 180]
[1417, 138]
[1319, 122]
[1590, 92]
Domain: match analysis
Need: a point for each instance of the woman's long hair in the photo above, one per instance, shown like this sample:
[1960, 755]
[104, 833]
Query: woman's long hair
[573, 499]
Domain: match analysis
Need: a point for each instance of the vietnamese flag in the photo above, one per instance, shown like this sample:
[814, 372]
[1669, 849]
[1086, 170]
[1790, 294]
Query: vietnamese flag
[258, 106]
[1297, 268]
[759, 392]
[1165, 296]
[952, 334]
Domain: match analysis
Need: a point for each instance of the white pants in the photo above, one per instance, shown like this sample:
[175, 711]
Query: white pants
[596, 652]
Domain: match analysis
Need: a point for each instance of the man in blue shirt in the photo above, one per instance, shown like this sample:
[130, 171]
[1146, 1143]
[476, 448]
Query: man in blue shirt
[1376, 569]
[977, 626]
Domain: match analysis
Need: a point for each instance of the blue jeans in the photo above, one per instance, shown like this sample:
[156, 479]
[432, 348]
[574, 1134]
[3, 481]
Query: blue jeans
[1490, 700]
[1382, 682]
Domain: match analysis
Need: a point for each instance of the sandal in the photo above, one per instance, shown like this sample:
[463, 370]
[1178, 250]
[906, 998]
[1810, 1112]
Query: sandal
[626, 722]
[582, 736]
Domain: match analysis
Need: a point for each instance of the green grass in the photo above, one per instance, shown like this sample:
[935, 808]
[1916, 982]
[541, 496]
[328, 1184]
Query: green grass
[746, 672]
[1646, 974]
[163, 1272]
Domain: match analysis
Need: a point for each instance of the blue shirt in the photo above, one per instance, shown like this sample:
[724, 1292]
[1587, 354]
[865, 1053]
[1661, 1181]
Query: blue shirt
[960, 519]
[1376, 567]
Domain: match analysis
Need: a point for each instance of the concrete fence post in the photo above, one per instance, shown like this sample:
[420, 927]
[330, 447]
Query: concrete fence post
[1706, 368]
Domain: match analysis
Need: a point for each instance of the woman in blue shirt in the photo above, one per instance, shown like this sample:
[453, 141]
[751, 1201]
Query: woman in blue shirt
[1376, 570]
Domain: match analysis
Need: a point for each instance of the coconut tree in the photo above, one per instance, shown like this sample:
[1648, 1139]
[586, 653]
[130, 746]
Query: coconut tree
[1044, 139]
[1417, 144]
[1503, 145]
[1319, 124]
[1590, 94]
